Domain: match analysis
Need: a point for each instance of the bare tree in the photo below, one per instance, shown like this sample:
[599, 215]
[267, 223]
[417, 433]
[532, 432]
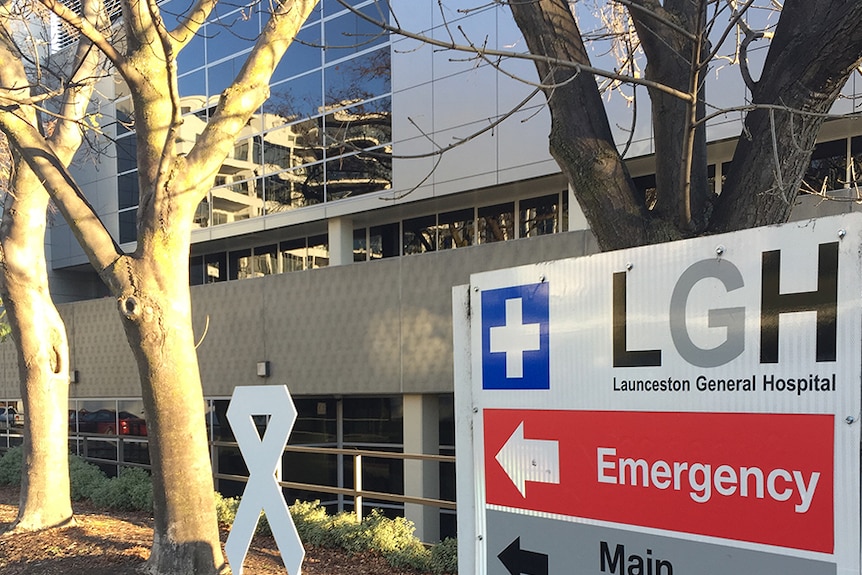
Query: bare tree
[151, 285]
[36, 326]
[814, 49]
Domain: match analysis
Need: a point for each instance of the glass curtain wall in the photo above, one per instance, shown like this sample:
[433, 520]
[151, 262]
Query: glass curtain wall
[323, 135]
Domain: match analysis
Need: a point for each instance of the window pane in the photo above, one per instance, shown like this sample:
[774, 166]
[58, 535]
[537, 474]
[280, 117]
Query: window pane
[127, 190]
[125, 116]
[856, 161]
[215, 267]
[357, 174]
[383, 241]
[293, 255]
[239, 264]
[318, 252]
[232, 33]
[296, 99]
[362, 78]
[360, 245]
[303, 55]
[373, 420]
[265, 262]
[196, 270]
[420, 235]
[456, 229]
[827, 169]
[128, 226]
[497, 223]
[539, 216]
[349, 33]
[127, 154]
[316, 422]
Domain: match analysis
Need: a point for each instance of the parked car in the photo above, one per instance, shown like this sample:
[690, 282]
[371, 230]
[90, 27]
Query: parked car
[108, 422]
[10, 416]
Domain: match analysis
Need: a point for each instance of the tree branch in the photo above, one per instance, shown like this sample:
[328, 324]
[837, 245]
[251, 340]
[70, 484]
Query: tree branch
[485, 52]
[249, 90]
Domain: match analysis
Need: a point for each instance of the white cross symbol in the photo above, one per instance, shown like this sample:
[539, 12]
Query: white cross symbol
[514, 338]
[263, 458]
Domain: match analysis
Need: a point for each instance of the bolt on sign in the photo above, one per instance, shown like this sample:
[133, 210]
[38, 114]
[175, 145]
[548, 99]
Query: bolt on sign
[685, 408]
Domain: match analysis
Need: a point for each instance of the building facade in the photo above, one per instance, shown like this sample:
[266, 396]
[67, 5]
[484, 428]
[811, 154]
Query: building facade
[333, 236]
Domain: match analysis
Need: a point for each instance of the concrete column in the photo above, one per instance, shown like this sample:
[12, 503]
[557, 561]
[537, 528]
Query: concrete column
[340, 241]
[577, 219]
[422, 478]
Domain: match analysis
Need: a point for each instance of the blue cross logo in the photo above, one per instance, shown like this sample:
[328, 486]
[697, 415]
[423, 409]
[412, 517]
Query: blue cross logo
[515, 338]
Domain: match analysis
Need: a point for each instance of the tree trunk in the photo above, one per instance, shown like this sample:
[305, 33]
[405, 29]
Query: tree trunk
[817, 45]
[581, 140]
[156, 316]
[671, 62]
[43, 356]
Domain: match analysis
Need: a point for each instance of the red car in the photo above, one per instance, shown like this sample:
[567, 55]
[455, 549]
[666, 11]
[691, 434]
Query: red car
[108, 422]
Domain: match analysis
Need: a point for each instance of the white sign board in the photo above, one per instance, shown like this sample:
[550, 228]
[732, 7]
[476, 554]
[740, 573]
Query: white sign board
[690, 407]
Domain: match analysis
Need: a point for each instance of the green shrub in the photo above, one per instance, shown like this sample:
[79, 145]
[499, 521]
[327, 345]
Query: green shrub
[226, 508]
[10, 466]
[86, 478]
[444, 556]
[131, 490]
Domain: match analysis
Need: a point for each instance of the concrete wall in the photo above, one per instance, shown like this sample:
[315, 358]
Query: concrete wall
[382, 327]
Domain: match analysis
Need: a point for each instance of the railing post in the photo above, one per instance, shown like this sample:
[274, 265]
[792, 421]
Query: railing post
[357, 486]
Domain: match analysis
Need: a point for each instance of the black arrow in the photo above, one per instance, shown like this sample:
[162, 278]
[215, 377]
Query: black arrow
[521, 562]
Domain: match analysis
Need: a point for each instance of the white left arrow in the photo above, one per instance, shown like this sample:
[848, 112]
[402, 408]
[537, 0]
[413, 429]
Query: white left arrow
[523, 460]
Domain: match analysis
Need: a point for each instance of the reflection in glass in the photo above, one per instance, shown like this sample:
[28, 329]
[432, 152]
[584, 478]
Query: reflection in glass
[233, 33]
[827, 169]
[296, 99]
[196, 270]
[127, 153]
[318, 252]
[293, 254]
[357, 174]
[360, 245]
[456, 229]
[497, 223]
[373, 420]
[128, 221]
[303, 55]
[127, 190]
[193, 84]
[294, 188]
[222, 75]
[265, 261]
[125, 115]
[362, 78]
[239, 264]
[538, 216]
[420, 235]
[215, 266]
[855, 161]
[348, 34]
[383, 241]
[316, 421]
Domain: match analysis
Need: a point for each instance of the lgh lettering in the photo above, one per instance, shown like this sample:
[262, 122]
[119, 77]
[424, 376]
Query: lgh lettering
[823, 301]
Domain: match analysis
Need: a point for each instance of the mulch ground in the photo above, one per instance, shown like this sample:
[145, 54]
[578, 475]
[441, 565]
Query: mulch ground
[116, 543]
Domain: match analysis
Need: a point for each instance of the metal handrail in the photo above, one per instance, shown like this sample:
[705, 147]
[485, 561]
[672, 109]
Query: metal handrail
[356, 492]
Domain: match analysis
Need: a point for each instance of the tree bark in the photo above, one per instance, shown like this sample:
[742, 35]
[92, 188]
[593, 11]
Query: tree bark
[580, 139]
[671, 61]
[43, 356]
[156, 314]
[817, 45]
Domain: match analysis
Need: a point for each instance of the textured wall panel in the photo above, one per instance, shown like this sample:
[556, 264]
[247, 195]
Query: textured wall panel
[382, 327]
